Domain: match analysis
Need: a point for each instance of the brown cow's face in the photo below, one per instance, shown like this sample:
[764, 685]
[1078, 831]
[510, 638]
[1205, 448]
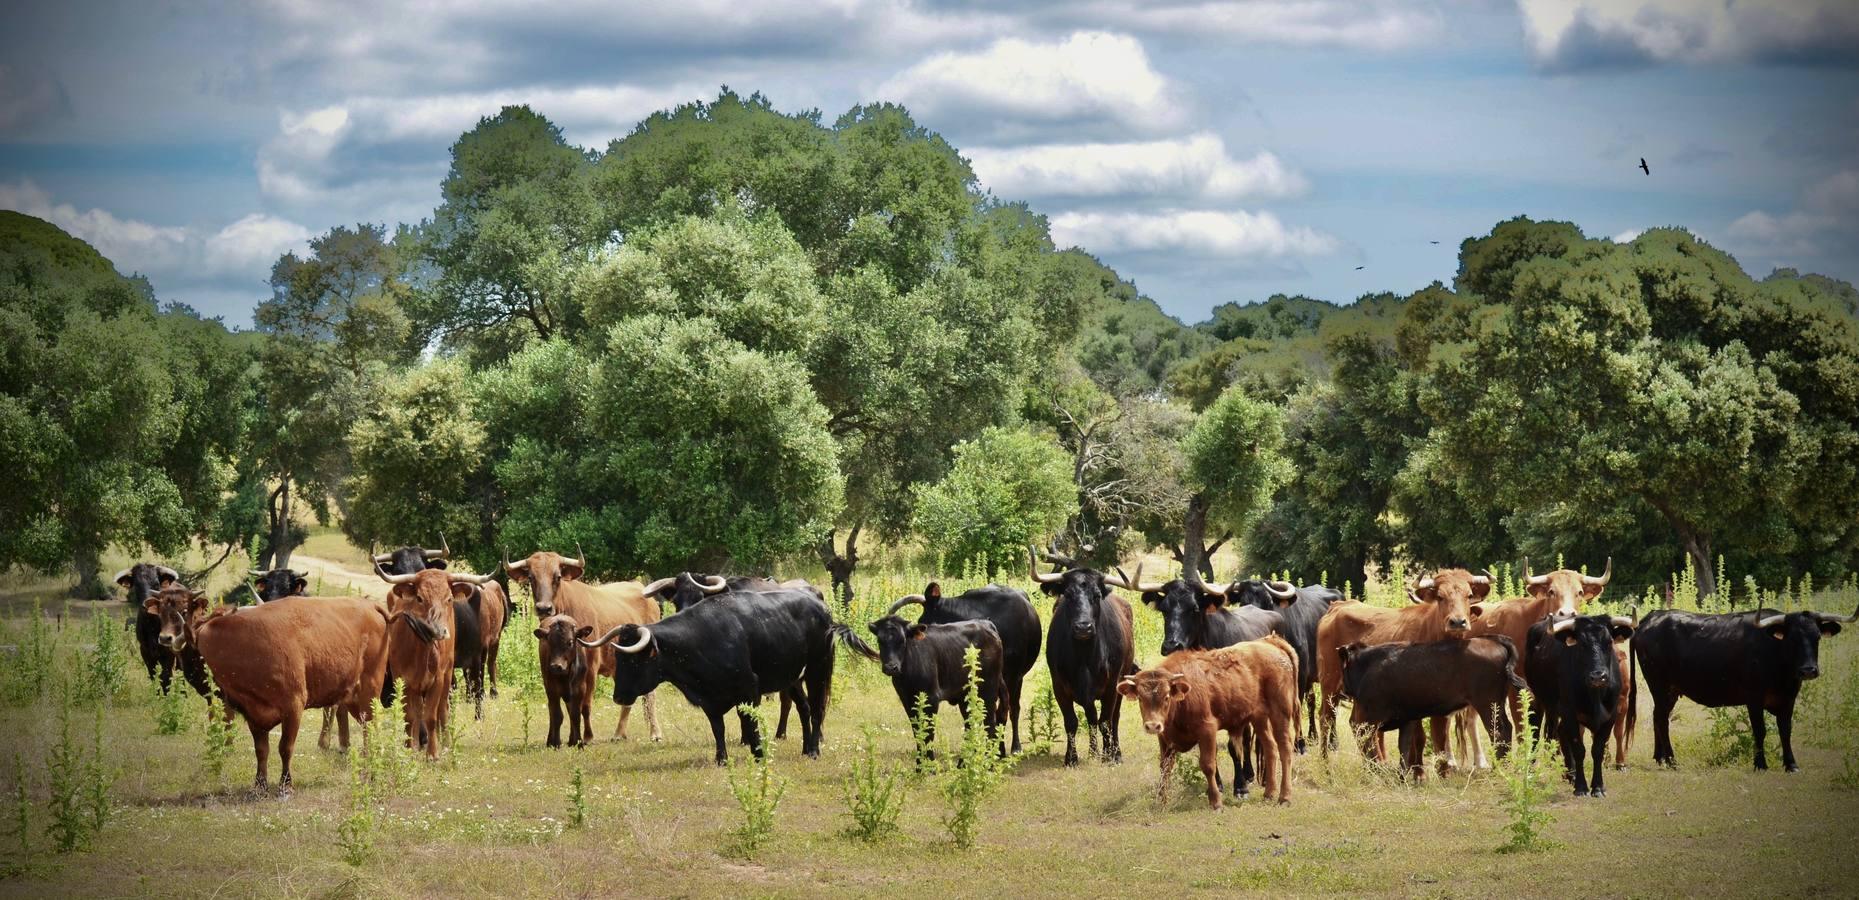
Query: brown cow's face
[544, 573]
[1565, 591]
[175, 606]
[1154, 692]
[559, 649]
[423, 603]
[1452, 594]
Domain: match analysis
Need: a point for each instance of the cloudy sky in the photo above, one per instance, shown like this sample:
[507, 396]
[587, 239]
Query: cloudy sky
[1212, 150]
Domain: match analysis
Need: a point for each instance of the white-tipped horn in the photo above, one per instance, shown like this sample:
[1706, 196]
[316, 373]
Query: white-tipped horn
[645, 637]
[1839, 620]
[913, 598]
[1033, 561]
[1606, 576]
[444, 551]
[168, 572]
[394, 579]
[461, 578]
[580, 560]
[1771, 621]
[382, 557]
[659, 585]
[1424, 584]
[509, 566]
[1280, 590]
[119, 576]
[1484, 580]
[1622, 621]
[1125, 581]
[715, 584]
[1561, 626]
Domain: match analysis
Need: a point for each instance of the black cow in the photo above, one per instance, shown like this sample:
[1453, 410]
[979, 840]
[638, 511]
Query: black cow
[1014, 619]
[1302, 608]
[279, 583]
[689, 588]
[1755, 659]
[928, 666]
[1575, 678]
[145, 580]
[730, 650]
[1088, 650]
[1396, 685]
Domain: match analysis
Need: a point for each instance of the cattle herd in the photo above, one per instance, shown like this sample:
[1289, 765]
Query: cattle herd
[1266, 662]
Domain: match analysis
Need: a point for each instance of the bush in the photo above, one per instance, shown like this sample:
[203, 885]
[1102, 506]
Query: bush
[758, 791]
[1530, 775]
[979, 768]
[874, 794]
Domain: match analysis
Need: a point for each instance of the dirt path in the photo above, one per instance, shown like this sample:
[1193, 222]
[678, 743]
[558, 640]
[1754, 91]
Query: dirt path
[337, 578]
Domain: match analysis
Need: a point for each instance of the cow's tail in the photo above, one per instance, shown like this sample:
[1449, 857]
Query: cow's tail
[1633, 694]
[1510, 662]
[844, 634]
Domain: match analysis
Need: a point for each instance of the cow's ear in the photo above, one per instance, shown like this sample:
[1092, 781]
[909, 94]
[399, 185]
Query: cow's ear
[1049, 587]
[584, 631]
[1127, 687]
[401, 590]
[520, 576]
[152, 606]
[300, 586]
[572, 573]
[1153, 598]
[541, 634]
[1481, 589]
[1829, 628]
[126, 580]
[932, 593]
[435, 564]
[1178, 688]
[1778, 632]
[1568, 640]
[919, 632]
[1212, 601]
[1621, 632]
[1476, 609]
[1539, 591]
[462, 590]
[166, 579]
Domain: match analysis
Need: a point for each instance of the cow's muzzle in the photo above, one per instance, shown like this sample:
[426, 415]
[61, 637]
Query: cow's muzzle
[1809, 673]
[1597, 679]
[168, 640]
[1171, 646]
[1152, 726]
[1084, 633]
[891, 670]
[1458, 625]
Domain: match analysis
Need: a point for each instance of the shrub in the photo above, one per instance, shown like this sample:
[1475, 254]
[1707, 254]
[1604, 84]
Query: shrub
[101, 669]
[69, 828]
[979, 767]
[1529, 776]
[874, 794]
[170, 709]
[218, 735]
[577, 799]
[757, 789]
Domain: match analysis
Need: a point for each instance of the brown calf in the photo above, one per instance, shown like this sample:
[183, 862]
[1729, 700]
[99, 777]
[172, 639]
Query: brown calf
[567, 677]
[273, 661]
[555, 583]
[1443, 610]
[421, 645]
[1192, 695]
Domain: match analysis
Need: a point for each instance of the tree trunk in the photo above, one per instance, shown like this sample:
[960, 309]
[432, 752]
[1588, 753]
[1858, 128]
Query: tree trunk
[840, 566]
[1697, 546]
[280, 528]
[1193, 534]
[1207, 555]
[89, 586]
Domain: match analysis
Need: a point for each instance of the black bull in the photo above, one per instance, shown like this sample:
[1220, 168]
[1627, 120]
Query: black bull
[1015, 621]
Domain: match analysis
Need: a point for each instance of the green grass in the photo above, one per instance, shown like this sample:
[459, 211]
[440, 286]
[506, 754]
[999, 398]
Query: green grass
[659, 817]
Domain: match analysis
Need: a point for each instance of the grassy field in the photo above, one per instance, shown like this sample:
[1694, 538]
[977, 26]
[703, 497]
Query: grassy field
[493, 817]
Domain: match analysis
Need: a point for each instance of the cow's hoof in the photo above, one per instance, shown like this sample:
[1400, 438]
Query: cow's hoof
[658, 739]
[1071, 762]
[1793, 769]
[1597, 793]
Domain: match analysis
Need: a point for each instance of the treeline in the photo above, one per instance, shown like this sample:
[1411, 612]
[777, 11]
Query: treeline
[738, 337]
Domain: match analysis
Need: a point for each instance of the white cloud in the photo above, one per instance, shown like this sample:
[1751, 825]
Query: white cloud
[1628, 236]
[1247, 235]
[1826, 219]
[1185, 168]
[1356, 24]
[1580, 33]
[1090, 78]
[132, 245]
[253, 243]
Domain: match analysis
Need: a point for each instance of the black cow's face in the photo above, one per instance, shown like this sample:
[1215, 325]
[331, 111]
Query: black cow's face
[894, 636]
[407, 560]
[690, 588]
[1184, 608]
[280, 583]
[175, 606]
[1588, 648]
[1268, 595]
[636, 672]
[1084, 590]
[1799, 634]
[559, 648]
[145, 580]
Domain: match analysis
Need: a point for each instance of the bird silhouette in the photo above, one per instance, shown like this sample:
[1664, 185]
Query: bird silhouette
[1360, 268]
[1643, 167]
[1432, 242]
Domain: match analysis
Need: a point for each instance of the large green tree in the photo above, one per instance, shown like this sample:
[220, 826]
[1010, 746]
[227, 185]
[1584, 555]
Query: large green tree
[1233, 466]
[1008, 488]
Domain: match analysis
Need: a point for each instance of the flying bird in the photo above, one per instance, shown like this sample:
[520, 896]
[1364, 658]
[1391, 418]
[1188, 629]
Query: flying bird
[1643, 167]
[1432, 242]
[1360, 268]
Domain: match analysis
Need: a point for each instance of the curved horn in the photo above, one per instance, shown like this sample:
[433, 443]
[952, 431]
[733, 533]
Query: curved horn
[1842, 620]
[1482, 580]
[382, 557]
[1771, 621]
[394, 579]
[659, 585]
[1526, 570]
[1124, 581]
[1424, 584]
[1033, 560]
[645, 637]
[717, 585]
[1563, 625]
[444, 551]
[1621, 621]
[1053, 556]
[913, 598]
[1194, 578]
[509, 566]
[119, 576]
[1602, 581]
[459, 577]
[168, 572]
[1280, 593]
[580, 561]
[1146, 587]
[603, 640]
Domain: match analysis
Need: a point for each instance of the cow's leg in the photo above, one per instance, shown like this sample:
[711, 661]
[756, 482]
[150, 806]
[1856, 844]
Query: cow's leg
[1441, 730]
[1070, 715]
[742, 720]
[1113, 726]
[167, 671]
[490, 665]
[1326, 720]
[1784, 723]
[414, 712]
[1285, 752]
[1569, 735]
[651, 717]
[619, 729]
[1210, 768]
[555, 719]
[261, 747]
[1234, 743]
[1759, 730]
[1662, 729]
[474, 682]
[811, 704]
[585, 709]
[151, 660]
[1266, 742]
[287, 744]
[342, 723]
[787, 704]
[1089, 705]
[1409, 742]
[716, 732]
[752, 736]
[322, 736]
[1595, 786]
[572, 707]
[1013, 712]
[803, 706]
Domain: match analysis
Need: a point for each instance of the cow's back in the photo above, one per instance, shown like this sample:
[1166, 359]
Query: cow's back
[319, 650]
[606, 606]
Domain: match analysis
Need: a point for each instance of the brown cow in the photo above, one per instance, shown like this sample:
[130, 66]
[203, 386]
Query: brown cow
[493, 609]
[1442, 609]
[555, 583]
[272, 662]
[568, 678]
[1560, 593]
[1192, 695]
[421, 648]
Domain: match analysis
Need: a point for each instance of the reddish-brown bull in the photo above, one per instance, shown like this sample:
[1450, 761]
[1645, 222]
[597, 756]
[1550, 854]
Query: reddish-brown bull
[1192, 695]
[272, 662]
[1442, 610]
[568, 678]
[555, 583]
[421, 644]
